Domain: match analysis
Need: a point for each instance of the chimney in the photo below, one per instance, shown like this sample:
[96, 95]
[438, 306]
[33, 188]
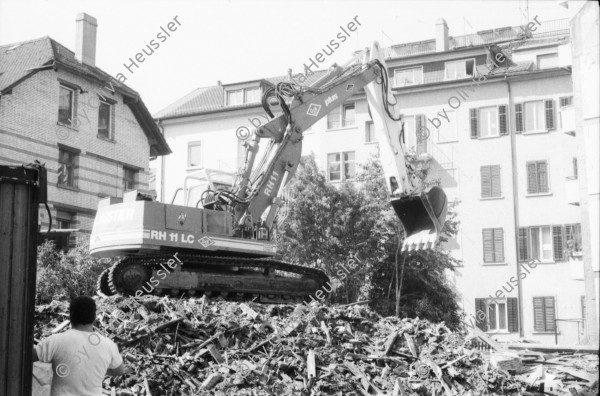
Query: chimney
[441, 36]
[289, 75]
[85, 41]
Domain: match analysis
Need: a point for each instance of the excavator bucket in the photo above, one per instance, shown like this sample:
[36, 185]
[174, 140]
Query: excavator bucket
[423, 218]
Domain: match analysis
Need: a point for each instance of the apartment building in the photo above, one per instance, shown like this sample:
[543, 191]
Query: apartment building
[94, 134]
[497, 109]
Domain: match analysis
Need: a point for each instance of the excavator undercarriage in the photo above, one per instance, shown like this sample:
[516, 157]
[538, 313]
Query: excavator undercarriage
[237, 278]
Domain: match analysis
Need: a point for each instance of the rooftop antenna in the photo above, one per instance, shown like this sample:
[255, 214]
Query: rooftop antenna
[466, 22]
[389, 38]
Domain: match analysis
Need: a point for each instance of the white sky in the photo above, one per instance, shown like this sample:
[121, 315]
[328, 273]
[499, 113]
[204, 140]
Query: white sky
[235, 41]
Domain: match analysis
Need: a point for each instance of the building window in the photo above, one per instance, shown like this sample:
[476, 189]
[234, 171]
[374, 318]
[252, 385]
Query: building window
[343, 116]
[545, 243]
[66, 105]
[242, 96]
[537, 116]
[65, 220]
[537, 177]
[573, 238]
[406, 77]
[448, 129]
[497, 314]
[534, 116]
[369, 132]
[129, 179]
[416, 132]
[575, 170]
[459, 69]
[194, 155]
[105, 120]
[348, 116]
[341, 166]
[543, 314]
[566, 101]
[235, 97]
[490, 181]
[67, 163]
[547, 61]
[252, 95]
[489, 121]
[541, 243]
[493, 245]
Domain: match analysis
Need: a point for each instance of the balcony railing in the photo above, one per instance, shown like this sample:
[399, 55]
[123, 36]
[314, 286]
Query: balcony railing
[572, 191]
[567, 119]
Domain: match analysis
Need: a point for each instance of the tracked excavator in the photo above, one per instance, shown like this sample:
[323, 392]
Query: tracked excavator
[220, 241]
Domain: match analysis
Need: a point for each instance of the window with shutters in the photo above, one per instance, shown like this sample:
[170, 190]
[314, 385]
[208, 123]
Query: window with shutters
[493, 245]
[541, 243]
[535, 117]
[544, 243]
[537, 177]
[497, 315]
[490, 181]
[544, 314]
[489, 121]
[573, 239]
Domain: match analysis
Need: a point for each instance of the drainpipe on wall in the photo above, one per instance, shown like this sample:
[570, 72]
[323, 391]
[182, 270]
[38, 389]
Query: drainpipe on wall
[515, 185]
[162, 165]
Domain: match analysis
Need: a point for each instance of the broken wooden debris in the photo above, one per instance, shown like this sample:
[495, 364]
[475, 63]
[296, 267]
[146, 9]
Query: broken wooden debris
[205, 347]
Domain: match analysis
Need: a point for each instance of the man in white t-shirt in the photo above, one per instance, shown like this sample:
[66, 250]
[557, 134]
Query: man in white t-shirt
[80, 357]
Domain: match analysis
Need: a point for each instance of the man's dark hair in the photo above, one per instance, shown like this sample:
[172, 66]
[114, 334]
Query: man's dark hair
[82, 311]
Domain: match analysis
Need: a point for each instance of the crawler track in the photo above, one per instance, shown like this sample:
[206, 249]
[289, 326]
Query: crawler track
[235, 278]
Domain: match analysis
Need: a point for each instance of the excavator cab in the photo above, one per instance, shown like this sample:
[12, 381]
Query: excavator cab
[422, 216]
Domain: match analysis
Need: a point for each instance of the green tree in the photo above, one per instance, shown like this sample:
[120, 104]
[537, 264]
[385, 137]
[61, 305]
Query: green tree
[326, 225]
[63, 275]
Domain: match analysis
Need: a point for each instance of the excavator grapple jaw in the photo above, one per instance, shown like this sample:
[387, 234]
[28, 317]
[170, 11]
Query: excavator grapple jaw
[423, 218]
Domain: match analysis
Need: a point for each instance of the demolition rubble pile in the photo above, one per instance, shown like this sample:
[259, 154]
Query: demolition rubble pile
[214, 347]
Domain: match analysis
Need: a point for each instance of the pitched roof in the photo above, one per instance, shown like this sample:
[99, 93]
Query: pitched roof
[212, 99]
[19, 61]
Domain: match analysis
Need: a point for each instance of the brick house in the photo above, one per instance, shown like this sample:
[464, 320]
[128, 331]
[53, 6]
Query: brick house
[94, 134]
